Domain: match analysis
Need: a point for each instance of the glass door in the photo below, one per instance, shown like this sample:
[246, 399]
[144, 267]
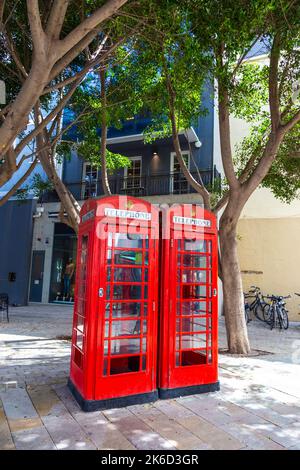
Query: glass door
[129, 308]
[195, 309]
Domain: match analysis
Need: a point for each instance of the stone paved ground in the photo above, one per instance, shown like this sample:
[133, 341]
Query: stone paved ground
[258, 406]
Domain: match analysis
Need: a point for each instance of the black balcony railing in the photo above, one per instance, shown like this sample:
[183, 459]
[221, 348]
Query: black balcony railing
[144, 185]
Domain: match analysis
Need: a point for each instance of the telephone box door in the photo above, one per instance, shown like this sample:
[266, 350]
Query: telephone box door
[189, 327]
[127, 320]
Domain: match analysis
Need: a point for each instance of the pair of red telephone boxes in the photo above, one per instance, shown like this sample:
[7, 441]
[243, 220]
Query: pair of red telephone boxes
[145, 313]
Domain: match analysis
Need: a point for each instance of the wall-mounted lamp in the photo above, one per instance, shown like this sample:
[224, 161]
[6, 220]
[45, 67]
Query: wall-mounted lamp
[198, 144]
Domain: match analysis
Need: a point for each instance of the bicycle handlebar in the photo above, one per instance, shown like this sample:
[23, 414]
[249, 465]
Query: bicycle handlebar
[278, 297]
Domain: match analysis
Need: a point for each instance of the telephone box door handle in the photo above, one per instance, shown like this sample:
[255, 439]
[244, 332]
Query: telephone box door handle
[215, 293]
[101, 292]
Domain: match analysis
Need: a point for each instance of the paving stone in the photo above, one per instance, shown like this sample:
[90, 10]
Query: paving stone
[170, 429]
[289, 436]
[209, 410]
[97, 427]
[66, 433]
[251, 438]
[6, 442]
[46, 401]
[33, 439]
[217, 438]
[137, 432]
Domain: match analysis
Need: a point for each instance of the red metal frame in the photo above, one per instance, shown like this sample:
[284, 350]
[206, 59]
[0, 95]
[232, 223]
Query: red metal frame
[114, 340]
[189, 303]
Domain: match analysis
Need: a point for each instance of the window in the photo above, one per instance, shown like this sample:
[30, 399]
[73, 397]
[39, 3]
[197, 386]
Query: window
[132, 174]
[178, 183]
[90, 181]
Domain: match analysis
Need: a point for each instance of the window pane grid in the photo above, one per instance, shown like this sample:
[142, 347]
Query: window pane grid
[193, 308]
[125, 345]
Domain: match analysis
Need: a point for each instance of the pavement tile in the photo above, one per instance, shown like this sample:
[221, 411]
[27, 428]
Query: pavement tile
[6, 441]
[251, 438]
[66, 433]
[217, 438]
[137, 432]
[170, 429]
[33, 439]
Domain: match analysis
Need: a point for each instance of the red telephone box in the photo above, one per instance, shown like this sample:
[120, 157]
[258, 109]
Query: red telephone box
[114, 342]
[189, 304]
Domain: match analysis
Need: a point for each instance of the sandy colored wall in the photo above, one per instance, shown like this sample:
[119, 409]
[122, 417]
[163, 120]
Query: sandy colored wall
[269, 252]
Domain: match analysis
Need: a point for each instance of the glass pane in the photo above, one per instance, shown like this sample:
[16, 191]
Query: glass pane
[128, 274]
[195, 261]
[126, 310]
[194, 308]
[127, 240]
[80, 323]
[124, 365]
[144, 361]
[109, 239]
[130, 257]
[107, 310]
[192, 324]
[195, 245]
[193, 341]
[81, 306]
[146, 292]
[123, 328]
[125, 346]
[193, 358]
[79, 339]
[105, 366]
[192, 276]
[127, 292]
[193, 292]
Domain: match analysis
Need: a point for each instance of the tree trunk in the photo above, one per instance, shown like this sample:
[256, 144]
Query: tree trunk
[104, 177]
[236, 329]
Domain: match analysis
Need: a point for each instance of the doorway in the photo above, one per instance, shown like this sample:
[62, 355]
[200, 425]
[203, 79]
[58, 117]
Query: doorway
[37, 274]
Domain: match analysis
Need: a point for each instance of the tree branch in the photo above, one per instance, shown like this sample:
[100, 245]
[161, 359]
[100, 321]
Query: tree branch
[90, 23]
[37, 32]
[56, 18]
[224, 129]
[16, 186]
[273, 83]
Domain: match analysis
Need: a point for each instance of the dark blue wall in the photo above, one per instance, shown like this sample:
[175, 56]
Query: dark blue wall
[16, 226]
[205, 130]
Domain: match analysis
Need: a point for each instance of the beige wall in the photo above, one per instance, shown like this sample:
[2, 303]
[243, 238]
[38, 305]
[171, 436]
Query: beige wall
[269, 252]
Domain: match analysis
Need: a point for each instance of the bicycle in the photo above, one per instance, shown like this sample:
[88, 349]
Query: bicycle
[277, 314]
[258, 305]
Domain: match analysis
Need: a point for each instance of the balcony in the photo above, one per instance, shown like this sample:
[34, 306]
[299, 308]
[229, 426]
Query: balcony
[138, 186]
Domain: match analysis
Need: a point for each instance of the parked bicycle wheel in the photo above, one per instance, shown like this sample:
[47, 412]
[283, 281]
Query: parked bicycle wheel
[271, 317]
[267, 313]
[259, 311]
[284, 318]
